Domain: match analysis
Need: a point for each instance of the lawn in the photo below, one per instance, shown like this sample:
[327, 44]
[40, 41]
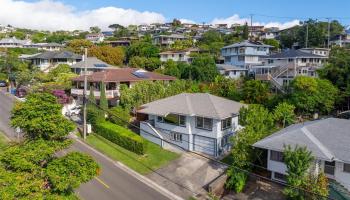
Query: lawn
[3, 141]
[154, 158]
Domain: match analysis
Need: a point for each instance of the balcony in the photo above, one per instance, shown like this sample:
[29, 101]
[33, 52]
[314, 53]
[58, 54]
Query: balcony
[110, 94]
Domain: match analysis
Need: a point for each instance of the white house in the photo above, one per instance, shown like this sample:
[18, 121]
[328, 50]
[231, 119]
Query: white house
[113, 78]
[327, 139]
[46, 46]
[167, 40]
[95, 37]
[50, 59]
[231, 71]
[195, 122]
[179, 56]
[245, 54]
[13, 42]
[283, 67]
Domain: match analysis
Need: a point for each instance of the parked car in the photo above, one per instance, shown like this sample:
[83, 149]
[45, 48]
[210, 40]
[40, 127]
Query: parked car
[3, 83]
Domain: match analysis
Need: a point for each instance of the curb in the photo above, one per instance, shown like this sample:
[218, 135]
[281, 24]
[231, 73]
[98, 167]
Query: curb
[131, 172]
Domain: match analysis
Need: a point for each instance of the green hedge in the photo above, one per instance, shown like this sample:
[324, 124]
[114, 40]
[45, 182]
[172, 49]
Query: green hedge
[121, 136]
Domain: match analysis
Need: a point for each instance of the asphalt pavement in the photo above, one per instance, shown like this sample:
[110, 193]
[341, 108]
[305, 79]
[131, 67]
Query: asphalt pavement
[116, 182]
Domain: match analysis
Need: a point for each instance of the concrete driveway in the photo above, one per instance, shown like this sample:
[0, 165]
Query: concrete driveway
[188, 175]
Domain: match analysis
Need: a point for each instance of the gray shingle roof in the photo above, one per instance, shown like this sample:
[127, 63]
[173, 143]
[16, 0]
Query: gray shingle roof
[193, 104]
[292, 53]
[327, 139]
[56, 54]
[247, 43]
[91, 62]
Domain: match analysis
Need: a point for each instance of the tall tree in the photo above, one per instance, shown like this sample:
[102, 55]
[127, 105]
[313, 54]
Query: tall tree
[284, 114]
[313, 95]
[255, 91]
[246, 31]
[95, 29]
[298, 162]
[103, 99]
[108, 54]
[40, 117]
[78, 45]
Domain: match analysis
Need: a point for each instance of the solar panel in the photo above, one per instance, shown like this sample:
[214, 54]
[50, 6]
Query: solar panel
[140, 74]
[100, 65]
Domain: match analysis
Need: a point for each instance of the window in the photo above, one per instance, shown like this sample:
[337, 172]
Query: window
[240, 58]
[303, 60]
[304, 71]
[204, 123]
[176, 137]
[270, 61]
[174, 119]
[346, 167]
[276, 156]
[290, 59]
[280, 176]
[226, 123]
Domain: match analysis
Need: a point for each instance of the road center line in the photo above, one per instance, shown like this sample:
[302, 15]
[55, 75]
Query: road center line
[103, 183]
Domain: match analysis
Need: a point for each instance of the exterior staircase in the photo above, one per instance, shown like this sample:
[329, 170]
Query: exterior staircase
[273, 77]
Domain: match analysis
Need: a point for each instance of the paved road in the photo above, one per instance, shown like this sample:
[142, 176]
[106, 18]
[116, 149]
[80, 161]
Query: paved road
[114, 182]
[6, 103]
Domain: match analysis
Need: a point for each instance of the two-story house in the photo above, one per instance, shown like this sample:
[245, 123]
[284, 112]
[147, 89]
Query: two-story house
[179, 56]
[283, 67]
[167, 40]
[198, 122]
[245, 54]
[112, 79]
[50, 59]
[327, 139]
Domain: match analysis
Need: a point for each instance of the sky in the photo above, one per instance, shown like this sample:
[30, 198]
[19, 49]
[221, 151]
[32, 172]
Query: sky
[78, 14]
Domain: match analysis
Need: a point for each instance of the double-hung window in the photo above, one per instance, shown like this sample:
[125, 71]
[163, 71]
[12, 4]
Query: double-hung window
[226, 123]
[346, 168]
[276, 156]
[204, 123]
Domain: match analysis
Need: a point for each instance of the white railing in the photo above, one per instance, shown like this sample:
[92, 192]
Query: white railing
[109, 93]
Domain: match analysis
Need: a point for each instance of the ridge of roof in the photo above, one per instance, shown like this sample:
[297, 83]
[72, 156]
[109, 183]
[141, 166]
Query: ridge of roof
[313, 139]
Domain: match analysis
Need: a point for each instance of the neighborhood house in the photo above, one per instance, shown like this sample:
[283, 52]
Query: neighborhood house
[198, 122]
[327, 139]
[112, 79]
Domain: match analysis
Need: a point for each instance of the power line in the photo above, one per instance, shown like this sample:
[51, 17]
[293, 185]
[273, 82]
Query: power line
[211, 159]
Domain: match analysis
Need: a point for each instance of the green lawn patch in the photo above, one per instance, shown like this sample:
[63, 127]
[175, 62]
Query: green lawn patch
[3, 141]
[154, 157]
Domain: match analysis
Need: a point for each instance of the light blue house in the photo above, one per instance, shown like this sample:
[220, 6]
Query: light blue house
[245, 54]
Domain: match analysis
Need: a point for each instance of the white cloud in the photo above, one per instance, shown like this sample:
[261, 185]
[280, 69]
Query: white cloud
[235, 19]
[187, 21]
[54, 15]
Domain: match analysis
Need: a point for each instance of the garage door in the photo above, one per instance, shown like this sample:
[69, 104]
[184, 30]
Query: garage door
[204, 145]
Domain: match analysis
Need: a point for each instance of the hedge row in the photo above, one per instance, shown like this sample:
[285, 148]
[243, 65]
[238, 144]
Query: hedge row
[121, 136]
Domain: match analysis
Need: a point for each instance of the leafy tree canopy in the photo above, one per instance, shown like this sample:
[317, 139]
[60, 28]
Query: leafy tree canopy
[40, 117]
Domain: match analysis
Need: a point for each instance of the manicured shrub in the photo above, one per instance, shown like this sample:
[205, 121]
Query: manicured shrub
[121, 136]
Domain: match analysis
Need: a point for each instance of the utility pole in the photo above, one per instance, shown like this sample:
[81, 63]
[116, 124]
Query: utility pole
[329, 31]
[251, 25]
[307, 35]
[85, 91]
